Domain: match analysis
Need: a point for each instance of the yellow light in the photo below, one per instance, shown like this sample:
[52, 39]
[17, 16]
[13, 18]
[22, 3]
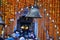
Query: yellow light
[53, 11]
[50, 5]
[22, 27]
[26, 28]
[47, 14]
[55, 26]
[2, 32]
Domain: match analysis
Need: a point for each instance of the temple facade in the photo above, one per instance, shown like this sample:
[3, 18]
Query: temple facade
[48, 27]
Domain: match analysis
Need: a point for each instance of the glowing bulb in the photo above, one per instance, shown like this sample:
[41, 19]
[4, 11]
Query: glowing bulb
[12, 19]
[57, 32]
[17, 0]
[5, 26]
[19, 12]
[32, 7]
[22, 27]
[50, 18]
[50, 38]
[15, 12]
[2, 32]
[44, 9]
[27, 7]
[40, 5]
[21, 9]
[59, 37]
[47, 14]
[26, 28]
[50, 5]
[55, 26]
[53, 11]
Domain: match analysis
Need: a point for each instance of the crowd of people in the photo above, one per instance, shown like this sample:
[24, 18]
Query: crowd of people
[16, 36]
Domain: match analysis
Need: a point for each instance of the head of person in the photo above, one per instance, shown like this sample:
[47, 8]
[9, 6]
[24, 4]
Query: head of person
[22, 38]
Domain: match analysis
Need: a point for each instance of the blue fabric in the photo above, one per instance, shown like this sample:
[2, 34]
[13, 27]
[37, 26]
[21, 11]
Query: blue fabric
[15, 28]
[36, 28]
[10, 38]
[17, 34]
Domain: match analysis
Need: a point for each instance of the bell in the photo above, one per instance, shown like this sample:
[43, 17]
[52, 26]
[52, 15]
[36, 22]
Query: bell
[34, 13]
[1, 20]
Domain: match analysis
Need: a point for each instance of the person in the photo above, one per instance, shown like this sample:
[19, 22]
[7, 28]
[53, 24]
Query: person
[17, 34]
[10, 38]
[22, 38]
[32, 35]
[13, 35]
[29, 35]
[1, 38]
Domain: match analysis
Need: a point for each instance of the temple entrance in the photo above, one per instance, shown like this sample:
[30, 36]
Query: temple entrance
[25, 26]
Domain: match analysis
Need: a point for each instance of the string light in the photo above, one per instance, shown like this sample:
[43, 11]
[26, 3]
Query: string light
[12, 19]
[21, 9]
[2, 32]
[57, 32]
[27, 7]
[17, 0]
[40, 5]
[47, 14]
[59, 37]
[44, 9]
[5, 26]
[50, 18]
[50, 5]
[19, 12]
[50, 38]
[55, 26]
